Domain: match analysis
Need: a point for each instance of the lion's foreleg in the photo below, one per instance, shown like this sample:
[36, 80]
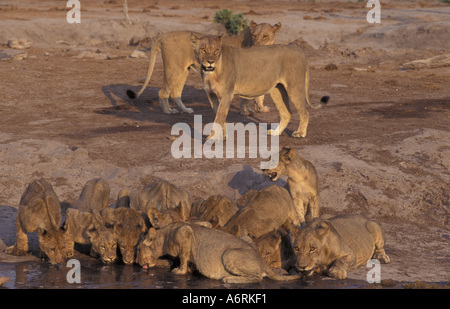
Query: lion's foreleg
[214, 101]
[314, 205]
[339, 268]
[21, 245]
[221, 116]
[183, 240]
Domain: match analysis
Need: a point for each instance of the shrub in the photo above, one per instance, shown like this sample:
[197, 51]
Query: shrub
[234, 23]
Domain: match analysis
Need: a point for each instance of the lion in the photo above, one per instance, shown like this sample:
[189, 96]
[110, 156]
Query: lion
[216, 209]
[159, 219]
[128, 225]
[337, 244]
[215, 254]
[39, 211]
[280, 70]
[275, 248]
[89, 228]
[161, 195]
[266, 211]
[95, 195]
[178, 59]
[303, 182]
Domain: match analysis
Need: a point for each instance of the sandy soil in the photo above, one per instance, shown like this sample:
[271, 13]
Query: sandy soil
[381, 147]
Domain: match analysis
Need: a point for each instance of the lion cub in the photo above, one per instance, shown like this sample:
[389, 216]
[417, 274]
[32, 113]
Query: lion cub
[128, 225]
[161, 195]
[303, 182]
[216, 254]
[337, 244]
[84, 224]
[89, 228]
[95, 195]
[39, 211]
[216, 209]
[264, 212]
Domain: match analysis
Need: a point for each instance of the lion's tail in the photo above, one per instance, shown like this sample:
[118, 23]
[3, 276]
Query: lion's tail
[272, 275]
[324, 99]
[153, 52]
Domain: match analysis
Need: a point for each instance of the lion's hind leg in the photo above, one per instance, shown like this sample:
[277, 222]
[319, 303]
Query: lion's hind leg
[178, 89]
[378, 239]
[281, 101]
[297, 97]
[246, 110]
[170, 83]
[242, 265]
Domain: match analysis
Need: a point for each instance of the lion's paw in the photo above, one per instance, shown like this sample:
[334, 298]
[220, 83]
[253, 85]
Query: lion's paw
[13, 250]
[298, 134]
[178, 271]
[170, 111]
[382, 257]
[273, 132]
[263, 109]
[337, 273]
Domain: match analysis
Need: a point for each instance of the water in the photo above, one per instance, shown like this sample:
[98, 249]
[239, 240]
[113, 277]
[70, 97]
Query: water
[96, 275]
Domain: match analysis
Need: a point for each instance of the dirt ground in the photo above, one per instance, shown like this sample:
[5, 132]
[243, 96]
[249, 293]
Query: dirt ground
[381, 147]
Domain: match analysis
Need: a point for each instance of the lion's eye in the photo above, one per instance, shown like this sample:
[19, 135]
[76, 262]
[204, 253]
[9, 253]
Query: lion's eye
[265, 37]
[254, 36]
[297, 249]
[216, 52]
[202, 50]
[312, 250]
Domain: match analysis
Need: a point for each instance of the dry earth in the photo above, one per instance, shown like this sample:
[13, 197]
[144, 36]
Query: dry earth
[381, 147]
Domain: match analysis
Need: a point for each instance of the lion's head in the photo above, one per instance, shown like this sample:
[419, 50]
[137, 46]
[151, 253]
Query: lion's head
[207, 50]
[263, 34]
[128, 225]
[51, 244]
[103, 241]
[308, 245]
[285, 158]
[146, 255]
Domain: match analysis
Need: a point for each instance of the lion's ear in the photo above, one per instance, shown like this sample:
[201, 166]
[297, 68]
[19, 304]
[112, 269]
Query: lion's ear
[322, 229]
[91, 232]
[150, 237]
[287, 153]
[219, 38]
[194, 39]
[276, 27]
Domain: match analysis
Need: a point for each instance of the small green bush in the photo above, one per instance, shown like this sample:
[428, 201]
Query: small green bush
[234, 23]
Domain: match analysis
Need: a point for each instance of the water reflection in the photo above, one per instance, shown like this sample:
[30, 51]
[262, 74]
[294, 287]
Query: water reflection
[95, 275]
